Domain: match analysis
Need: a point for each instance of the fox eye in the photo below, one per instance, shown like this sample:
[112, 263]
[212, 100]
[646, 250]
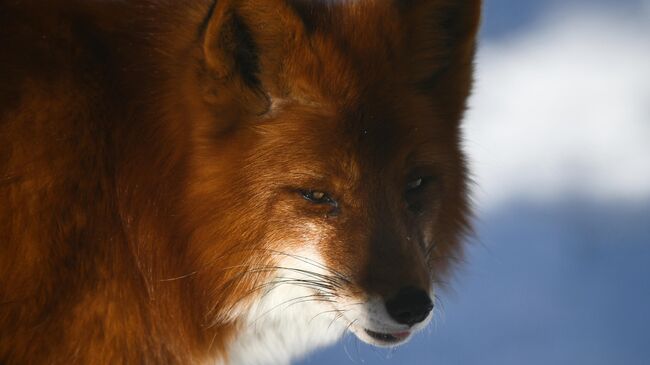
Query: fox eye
[414, 184]
[420, 192]
[318, 197]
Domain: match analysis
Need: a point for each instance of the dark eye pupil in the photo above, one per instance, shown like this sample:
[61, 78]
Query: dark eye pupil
[414, 184]
[317, 197]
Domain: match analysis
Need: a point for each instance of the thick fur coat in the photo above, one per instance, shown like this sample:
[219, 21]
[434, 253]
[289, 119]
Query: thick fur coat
[200, 182]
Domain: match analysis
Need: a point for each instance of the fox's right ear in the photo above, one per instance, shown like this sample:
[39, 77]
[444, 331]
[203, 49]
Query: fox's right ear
[231, 59]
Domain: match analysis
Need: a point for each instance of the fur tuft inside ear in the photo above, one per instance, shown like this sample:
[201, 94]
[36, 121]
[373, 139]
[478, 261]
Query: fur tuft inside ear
[231, 57]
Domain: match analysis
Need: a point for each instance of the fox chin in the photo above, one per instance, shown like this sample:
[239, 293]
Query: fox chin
[229, 181]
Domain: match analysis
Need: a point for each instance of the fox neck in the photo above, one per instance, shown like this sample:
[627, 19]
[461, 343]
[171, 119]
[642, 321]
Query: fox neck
[282, 326]
[290, 317]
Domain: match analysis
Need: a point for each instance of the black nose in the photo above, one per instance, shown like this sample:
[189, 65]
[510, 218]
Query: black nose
[409, 306]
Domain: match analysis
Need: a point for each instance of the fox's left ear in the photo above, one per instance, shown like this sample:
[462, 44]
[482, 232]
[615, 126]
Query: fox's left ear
[441, 32]
[441, 45]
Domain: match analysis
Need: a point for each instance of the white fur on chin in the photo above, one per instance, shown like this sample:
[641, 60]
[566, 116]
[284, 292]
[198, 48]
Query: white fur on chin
[283, 323]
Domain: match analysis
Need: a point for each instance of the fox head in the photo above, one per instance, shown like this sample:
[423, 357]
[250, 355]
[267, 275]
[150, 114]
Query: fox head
[328, 188]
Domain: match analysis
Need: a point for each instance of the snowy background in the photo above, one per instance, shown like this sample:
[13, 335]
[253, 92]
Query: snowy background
[559, 138]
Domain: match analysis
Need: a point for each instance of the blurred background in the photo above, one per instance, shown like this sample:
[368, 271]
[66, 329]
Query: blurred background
[558, 135]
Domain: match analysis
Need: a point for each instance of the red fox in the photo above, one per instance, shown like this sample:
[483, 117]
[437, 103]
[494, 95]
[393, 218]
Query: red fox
[229, 181]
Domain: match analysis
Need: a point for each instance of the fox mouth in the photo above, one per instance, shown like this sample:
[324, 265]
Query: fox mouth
[388, 339]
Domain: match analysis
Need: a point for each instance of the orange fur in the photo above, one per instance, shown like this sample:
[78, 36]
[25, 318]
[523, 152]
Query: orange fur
[151, 151]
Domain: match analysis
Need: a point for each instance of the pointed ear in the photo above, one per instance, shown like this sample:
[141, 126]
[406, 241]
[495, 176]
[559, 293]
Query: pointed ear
[442, 43]
[231, 58]
[442, 32]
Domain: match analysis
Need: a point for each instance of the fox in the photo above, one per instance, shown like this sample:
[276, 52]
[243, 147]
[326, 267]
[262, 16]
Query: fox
[228, 181]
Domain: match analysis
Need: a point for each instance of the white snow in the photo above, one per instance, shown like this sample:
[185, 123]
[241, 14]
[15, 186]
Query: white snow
[563, 110]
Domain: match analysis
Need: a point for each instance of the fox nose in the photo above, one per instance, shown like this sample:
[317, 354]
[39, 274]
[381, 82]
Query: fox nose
[409, 306]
